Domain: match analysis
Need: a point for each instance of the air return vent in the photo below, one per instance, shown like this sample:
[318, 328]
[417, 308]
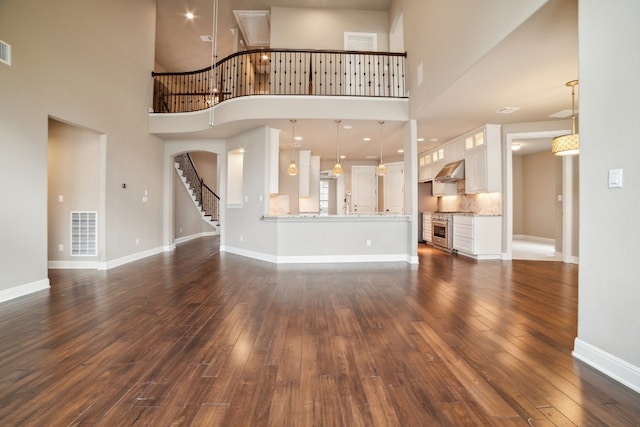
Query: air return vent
[5, 53]
[84, 233]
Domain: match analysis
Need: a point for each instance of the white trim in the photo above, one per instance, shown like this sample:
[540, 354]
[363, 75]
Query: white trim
[196, 236]
[610, 365]
[22, 290]
[320, 259]
[534, 239]
[130, 258]
[249, 254]
[74, 265]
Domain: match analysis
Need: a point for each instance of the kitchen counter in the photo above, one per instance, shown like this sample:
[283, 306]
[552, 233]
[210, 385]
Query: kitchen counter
[312, 238]
[338, 218]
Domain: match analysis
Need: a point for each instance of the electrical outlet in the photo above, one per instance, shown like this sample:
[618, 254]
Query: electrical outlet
[60, 247]
[368, 242]
[60, 198]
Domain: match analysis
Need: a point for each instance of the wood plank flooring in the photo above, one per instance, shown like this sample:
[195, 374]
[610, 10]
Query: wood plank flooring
[195, 337]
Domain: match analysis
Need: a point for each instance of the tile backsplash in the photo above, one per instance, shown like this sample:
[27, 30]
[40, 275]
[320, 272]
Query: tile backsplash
[482, 203]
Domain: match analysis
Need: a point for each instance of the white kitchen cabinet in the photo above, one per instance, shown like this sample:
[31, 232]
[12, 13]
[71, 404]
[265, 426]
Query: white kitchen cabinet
[424, 167]
[454, 151]
[483, 160]
[426, 227]
[478, 237]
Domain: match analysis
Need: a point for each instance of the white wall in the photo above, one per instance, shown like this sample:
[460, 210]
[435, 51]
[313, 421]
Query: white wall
[466, 42]
[70, 64]
[608, 315]
[244, 230]
[538, 192]
[309, 28]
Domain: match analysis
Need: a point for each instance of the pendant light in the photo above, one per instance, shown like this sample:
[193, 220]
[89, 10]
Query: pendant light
[337, 168]
[382, 169]
[567, 145]
[292, 169]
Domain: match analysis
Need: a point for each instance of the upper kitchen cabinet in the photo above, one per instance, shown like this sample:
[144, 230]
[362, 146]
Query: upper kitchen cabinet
[424, 167]
[482, 160]
[454, 151]
[430, 163]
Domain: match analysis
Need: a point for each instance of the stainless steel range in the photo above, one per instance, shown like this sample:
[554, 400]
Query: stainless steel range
[442, 230]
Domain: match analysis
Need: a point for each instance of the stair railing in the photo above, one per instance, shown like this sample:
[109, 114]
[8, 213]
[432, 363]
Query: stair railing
[282, 72]
[206, 198]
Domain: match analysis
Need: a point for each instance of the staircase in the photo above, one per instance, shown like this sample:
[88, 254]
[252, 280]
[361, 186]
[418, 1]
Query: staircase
[205, 200]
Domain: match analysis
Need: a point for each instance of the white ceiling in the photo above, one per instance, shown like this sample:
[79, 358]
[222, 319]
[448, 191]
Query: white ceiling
[528, 69]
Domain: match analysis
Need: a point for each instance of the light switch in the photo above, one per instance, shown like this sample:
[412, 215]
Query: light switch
[615, 178]
[60, 198]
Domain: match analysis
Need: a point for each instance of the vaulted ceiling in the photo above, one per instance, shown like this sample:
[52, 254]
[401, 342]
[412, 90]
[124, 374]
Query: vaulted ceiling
[527, 69]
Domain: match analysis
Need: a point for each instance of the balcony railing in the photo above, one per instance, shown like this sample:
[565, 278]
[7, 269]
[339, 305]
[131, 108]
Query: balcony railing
[282, 72]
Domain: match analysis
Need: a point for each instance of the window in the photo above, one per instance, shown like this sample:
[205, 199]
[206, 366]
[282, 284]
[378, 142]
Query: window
[324, 197]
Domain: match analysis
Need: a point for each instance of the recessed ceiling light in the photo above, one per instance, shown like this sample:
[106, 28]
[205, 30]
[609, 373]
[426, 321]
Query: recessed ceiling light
[420, 139]
[298, 138]
[366, 138]
[401, 151]
[342, 156]
[515, 147]
[347, 127]
[507, 110]
[189, 16]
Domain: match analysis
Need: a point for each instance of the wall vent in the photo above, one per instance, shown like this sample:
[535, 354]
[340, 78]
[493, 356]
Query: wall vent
[5, 53]
[84, 233]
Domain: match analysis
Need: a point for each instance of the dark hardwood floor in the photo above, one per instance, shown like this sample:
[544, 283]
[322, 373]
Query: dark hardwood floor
[195, 337]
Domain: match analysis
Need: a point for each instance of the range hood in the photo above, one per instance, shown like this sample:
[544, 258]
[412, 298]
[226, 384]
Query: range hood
[451, 172]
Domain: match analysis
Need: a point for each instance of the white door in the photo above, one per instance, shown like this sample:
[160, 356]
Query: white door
[361, 77]
[394, 189]
[364, 186]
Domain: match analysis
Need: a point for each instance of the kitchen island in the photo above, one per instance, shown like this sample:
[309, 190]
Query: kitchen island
[341, 238]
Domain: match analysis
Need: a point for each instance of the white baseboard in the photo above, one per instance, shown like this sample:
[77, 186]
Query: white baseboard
[73, 265]
[608, 364]
[129, 258]
[22, 290]
[535, 239]
[320, 259]
[196, 236]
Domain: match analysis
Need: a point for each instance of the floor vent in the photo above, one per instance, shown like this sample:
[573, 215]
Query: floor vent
[84, 233]
[5, 53]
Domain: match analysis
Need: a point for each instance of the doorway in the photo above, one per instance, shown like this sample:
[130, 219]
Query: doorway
[76, 196]
[542, 200]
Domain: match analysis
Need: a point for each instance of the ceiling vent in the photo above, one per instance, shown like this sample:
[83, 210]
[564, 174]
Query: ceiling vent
[507, 110]
[255, 26]
[206, 38]
[5, 53]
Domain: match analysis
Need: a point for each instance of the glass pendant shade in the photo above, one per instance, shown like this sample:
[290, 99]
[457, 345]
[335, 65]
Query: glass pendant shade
[292, 169]
[337, 169]
[568, 145]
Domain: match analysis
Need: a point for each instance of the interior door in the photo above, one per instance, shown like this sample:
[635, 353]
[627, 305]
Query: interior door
[394, 188]
[364, 186]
